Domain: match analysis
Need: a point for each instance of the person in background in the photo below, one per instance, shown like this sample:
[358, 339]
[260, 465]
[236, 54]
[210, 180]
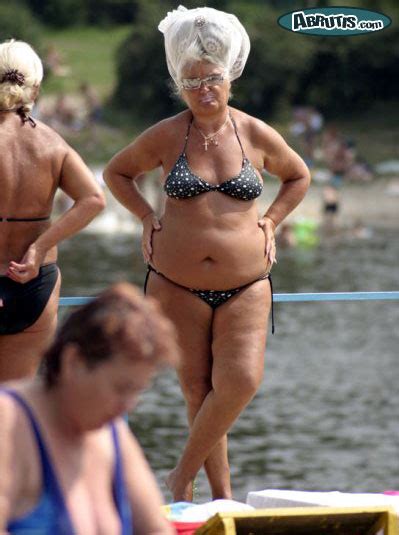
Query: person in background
[34, 163]
[209, 257]
[69, 464]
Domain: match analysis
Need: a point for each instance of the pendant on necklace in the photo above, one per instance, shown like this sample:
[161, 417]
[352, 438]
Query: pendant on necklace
[210, 141]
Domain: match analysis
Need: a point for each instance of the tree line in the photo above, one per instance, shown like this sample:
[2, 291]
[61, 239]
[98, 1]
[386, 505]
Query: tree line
[336, 75]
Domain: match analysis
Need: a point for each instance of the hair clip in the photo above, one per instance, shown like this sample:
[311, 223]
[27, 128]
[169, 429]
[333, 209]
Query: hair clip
[200, 21]
[13, 76]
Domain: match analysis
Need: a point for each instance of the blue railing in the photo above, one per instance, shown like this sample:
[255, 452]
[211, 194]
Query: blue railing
[288, 298]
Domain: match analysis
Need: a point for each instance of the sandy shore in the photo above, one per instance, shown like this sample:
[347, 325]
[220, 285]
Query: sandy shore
[374, 204]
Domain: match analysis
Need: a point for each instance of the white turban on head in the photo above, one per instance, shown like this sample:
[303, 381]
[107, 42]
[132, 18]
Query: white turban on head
[221, 36]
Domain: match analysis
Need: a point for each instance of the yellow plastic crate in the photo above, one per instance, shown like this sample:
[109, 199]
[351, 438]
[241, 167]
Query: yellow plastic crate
[305, 521]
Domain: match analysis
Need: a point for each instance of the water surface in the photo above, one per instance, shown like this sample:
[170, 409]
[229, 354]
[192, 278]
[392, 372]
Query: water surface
[327, 414]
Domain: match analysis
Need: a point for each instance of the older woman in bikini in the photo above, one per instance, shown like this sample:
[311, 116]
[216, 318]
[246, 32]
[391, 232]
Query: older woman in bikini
[209, 255]
[35, 161]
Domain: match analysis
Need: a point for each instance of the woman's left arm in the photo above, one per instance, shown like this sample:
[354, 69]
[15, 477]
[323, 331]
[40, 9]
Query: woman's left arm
[280, 160]
[145, 497]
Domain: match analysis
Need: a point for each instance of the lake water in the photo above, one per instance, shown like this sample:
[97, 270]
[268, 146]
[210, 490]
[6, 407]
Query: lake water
[327, 414]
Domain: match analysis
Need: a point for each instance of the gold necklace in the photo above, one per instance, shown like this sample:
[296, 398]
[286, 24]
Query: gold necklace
[211, 139]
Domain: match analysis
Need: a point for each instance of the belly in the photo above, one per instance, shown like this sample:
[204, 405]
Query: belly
[212, 257]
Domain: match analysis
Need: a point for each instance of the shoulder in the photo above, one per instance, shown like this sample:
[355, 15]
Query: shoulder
[10, 468]
[49, 143]
[8, 412]
[164, 132]
[259, 133]
[11, 414]
[152, 147]
[49, 134]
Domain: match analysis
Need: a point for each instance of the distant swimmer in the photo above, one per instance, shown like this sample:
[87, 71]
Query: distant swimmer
[35, 162]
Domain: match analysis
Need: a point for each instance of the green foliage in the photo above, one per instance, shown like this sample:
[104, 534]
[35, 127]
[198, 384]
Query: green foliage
[60, 12]
[142, 74]
[17, 22]
[88, 54]
[64, 13]
[337, 75]
[269, 79]
[349, 74]
[275, 63]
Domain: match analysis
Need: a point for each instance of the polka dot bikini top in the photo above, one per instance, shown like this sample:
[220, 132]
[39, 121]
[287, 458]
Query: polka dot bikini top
[182, 183]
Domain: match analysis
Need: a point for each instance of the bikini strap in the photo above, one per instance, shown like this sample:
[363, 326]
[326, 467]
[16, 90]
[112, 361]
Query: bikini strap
[264, 276]
[12, 219]
[187, 134]
[119, 486]
[149, 269]
[271, 289]
[50, 481]
[25, 117]
[236, 131]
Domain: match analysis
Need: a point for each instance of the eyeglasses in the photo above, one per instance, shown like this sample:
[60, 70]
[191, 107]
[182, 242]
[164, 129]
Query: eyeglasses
[195, 83]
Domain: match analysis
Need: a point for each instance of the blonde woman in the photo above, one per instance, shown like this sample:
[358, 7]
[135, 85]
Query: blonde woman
[34, 162]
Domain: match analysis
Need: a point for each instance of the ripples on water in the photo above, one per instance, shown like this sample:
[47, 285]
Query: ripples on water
[326, 416]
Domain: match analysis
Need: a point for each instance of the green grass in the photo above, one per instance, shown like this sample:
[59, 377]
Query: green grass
[89, 54]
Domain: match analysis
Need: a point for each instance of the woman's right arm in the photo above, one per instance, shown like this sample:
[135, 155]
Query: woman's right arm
[77, 181]
[120, 176]
[127, 165]
[9, 466]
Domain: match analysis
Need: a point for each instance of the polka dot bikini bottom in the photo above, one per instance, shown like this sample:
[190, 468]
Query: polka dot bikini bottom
[215, 298]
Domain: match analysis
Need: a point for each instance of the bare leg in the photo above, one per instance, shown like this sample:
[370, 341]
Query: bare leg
[193, 320]
[216, 465]
[20, 353]
[239, 338]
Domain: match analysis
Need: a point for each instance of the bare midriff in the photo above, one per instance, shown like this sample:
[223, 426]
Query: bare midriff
[16, 237]
[210, 242]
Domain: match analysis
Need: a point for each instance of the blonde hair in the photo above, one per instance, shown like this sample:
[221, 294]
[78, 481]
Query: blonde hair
[20, 87]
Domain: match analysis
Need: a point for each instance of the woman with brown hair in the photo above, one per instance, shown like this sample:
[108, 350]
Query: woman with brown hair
[68, 462]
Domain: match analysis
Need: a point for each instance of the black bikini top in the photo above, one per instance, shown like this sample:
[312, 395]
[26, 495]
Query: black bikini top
[182, 183]
[12, 219]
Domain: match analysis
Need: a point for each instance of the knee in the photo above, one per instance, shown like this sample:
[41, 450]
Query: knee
[195, 391]
[241, 385]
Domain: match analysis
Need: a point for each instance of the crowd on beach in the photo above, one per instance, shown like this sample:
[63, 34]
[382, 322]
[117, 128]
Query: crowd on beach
[68, 112]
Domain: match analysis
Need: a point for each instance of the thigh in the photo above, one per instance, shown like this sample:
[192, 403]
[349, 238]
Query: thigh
[239, 335]
[48, 318]
[193, 320]
[20, 353]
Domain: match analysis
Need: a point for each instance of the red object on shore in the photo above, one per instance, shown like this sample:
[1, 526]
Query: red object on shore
[186, 528]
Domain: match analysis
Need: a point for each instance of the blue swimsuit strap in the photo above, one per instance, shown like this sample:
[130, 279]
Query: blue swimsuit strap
[120, 494]
[50, 481]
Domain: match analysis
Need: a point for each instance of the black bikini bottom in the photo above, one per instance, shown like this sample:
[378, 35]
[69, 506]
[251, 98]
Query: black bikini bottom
[215, 298]
[24, 303]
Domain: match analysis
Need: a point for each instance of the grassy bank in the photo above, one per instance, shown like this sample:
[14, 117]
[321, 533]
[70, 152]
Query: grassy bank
[88, 55]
